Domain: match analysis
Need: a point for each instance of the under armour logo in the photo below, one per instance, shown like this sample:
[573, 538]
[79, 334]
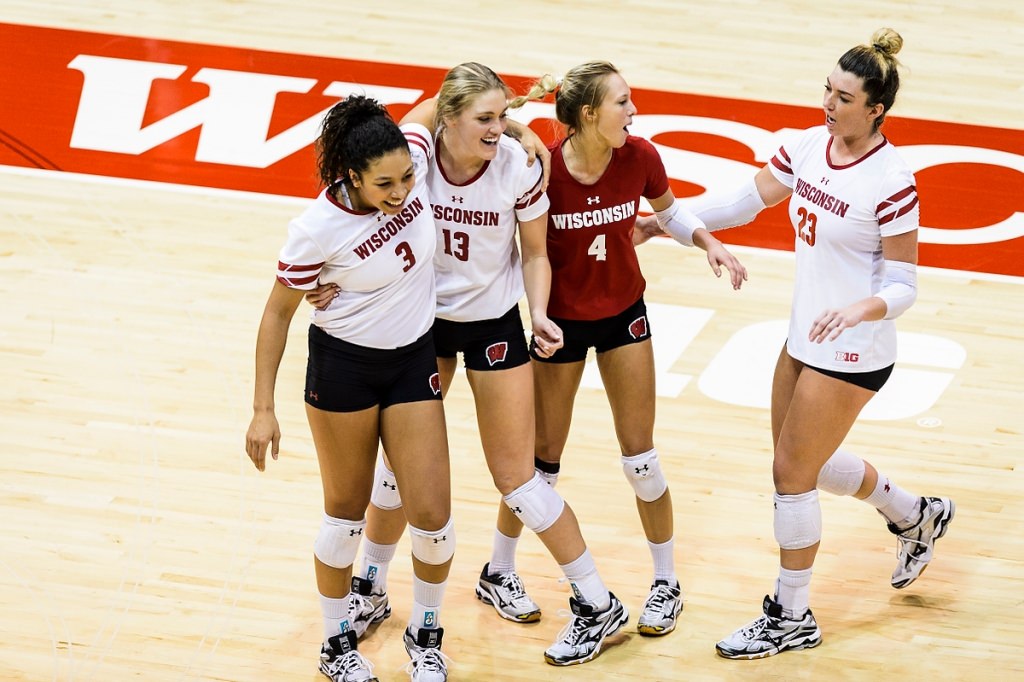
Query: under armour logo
[887, 485]
[313, 395]
[517, 510]
[380, 216]
[440, 539]
[824, 180]
[355, 531]
[389, 486]
[456, 199]
[641, 470]
[593, 200]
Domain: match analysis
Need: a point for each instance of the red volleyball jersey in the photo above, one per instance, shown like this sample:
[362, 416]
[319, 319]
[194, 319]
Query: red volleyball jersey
[594, 269]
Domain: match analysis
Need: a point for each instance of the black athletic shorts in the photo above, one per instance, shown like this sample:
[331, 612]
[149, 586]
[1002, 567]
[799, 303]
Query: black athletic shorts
[486, 345]
[873, 381]
[629, 326]
[345, 377]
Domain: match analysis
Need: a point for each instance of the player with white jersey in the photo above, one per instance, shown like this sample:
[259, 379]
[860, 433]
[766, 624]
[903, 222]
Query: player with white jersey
[478, 268]
[854, 208]
[483, 192]
[371, 376]
[841, 213]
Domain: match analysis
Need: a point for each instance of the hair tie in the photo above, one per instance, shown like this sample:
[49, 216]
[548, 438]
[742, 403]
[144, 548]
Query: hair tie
[878, 46]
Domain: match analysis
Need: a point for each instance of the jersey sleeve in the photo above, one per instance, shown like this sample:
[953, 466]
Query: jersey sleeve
[656, 183]
[531, 202]
[421, 148]
[898, 210]
[781, 166]
[301, 259]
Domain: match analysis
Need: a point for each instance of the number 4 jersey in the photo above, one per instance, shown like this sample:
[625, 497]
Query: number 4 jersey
[840, 214]
[594, 269]
[477, 263]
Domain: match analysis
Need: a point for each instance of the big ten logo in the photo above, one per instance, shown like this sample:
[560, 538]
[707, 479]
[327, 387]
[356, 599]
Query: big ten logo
[741, 371]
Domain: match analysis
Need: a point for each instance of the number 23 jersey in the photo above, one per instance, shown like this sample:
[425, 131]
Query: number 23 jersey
[840, 214]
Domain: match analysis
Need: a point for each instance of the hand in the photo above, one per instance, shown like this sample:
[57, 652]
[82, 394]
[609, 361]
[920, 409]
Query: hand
[322, 296]
[534, 148]
[646, 227]
[263, 431]
[831, 323]
[719, 256]
[547, 336]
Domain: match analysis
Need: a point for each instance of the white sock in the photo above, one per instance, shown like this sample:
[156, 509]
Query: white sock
[793, 591]
[585, 581]
[375, 562]
[335, 613]
[503, 554]
[426, 606]
[895, 503]
[664, 561]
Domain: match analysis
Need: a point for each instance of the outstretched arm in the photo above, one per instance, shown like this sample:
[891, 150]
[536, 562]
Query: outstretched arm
[689, 230]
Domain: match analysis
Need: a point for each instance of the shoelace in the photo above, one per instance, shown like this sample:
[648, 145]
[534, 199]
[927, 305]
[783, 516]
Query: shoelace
[755, 628]
[511, 582]
[351, 662]
[655, 605]
[428, 660]
[574, 629]
[357, 603]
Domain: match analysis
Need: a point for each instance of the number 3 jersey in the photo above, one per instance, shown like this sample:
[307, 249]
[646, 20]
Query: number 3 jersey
[839, 215]
[477, 264]
[382, 263]
[594, 269]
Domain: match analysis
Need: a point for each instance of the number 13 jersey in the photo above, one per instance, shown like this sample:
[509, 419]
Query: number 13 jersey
[477, 265]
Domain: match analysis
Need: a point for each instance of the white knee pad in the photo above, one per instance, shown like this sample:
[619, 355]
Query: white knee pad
[842, 474]
[645, 475]
[797, 520]
[536, 504]
[338, 540]
[433, 547]
[385, 493]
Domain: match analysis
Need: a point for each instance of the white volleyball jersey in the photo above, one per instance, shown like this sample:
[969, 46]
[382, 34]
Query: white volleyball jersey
[839, 215]
[477, 264]
[382, 263]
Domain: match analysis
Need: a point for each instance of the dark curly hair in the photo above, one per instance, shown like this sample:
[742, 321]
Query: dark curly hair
[355, 132]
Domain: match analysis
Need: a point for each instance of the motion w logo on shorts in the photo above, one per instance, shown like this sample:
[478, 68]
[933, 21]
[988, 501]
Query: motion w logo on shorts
[496, 353]
[435, 383]
[638, 327]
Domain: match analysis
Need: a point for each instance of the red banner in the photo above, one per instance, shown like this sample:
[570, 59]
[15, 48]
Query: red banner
[245, 119]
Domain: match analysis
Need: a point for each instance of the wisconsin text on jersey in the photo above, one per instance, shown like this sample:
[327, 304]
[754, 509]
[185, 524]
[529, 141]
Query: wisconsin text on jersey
[821, 198]
[390, 228]
[450, 214]
[600, 216]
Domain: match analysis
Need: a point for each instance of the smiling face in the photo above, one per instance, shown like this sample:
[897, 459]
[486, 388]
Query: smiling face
[847, 113]
[609, 121]
[478, 127]
[385, 184]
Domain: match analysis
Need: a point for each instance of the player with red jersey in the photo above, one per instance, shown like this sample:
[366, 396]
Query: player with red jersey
[598, 174]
